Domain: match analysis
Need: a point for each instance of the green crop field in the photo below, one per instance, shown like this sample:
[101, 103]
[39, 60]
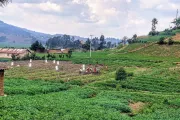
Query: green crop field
[40, 92]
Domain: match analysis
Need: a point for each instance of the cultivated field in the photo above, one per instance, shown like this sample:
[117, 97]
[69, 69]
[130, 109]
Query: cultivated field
[41, 92]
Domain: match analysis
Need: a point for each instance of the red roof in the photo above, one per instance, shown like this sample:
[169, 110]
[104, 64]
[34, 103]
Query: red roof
[3, 68]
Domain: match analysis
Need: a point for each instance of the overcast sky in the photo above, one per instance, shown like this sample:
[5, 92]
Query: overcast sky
[113, 18]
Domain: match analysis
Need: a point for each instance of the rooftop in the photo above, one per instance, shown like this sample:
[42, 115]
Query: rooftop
[12, 51]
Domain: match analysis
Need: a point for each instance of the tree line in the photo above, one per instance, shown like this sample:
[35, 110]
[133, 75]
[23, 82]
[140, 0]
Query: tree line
[66, 41]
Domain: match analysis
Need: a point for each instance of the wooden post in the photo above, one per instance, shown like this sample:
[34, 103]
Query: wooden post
[1, 82]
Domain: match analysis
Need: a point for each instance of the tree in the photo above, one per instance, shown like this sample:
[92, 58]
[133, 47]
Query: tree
[64, 41]
[176, 22]
[109, 44]
[37, 46]
[153, 29]
[102, 42]
[134, 38]
[154, 22]
[4, 2]
[86, 46]
[95, 43]
[121, 74]
[124, 39]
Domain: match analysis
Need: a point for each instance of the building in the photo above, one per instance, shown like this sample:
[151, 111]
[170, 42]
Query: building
[8, 52]
[58, 51]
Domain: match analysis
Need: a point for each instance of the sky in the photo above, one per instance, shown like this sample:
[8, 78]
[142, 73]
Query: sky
[112, 18]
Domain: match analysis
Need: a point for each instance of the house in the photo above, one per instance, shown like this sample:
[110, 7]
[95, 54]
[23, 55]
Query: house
[8, 52]
[58, 51]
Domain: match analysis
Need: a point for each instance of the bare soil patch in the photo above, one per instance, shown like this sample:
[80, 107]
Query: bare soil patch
[136, 107]
[176, 37]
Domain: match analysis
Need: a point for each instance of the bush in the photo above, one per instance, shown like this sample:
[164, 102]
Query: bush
[87, 93]
[121, 74]
[118, 87]
[170, 41]
[26, 57]
[130, 74]
[153, 33]
[76, 82]
[161, 41]
[166, 101]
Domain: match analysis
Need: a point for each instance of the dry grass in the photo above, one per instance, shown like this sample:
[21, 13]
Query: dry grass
[136, 107]
[176, 37]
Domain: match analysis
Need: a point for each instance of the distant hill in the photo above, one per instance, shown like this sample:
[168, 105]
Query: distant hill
[13, 36]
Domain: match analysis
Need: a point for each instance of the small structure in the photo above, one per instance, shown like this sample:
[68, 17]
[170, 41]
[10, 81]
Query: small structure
[8, 52]
[89, 70]
[58, 51]
[2, 81]
[57, 68]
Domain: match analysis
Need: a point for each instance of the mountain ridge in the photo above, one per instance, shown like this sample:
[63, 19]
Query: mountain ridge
[14, 36]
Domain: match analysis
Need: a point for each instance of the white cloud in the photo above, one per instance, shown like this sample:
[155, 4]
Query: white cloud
[128, 1]
[114, 18]
[46, 6]
[151, 3]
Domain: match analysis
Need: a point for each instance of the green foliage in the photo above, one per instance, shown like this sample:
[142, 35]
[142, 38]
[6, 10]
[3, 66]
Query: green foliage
[37, 46]
[64, 41]
[161, 41]
[170, 41]
[153, 33]
[130, 74]
[76, 82]
[87, 93]
[176, 22]
[27, 87]
[86, 46]
[121, 74]
[102, 42]
[153, 81]
[166, 102]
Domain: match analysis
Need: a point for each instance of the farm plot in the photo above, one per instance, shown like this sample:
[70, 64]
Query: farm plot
[46, 71]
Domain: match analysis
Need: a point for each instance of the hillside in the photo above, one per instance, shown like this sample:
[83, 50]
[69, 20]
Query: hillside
[149, 47]
[13, 36]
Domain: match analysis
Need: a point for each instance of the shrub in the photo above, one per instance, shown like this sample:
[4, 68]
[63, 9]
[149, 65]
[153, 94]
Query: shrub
[13, 57]
[118, 87]
[166, 101]
[76, 82]
[170, 41]
[43, 57]
[130, 74]
[48, 56]
[121, 74]
[161, 41]
[26, 57]
[153, 33]
[87, 93]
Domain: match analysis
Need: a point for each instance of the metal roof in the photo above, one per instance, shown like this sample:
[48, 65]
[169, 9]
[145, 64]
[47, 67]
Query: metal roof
[3, 68]
[13, 51]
